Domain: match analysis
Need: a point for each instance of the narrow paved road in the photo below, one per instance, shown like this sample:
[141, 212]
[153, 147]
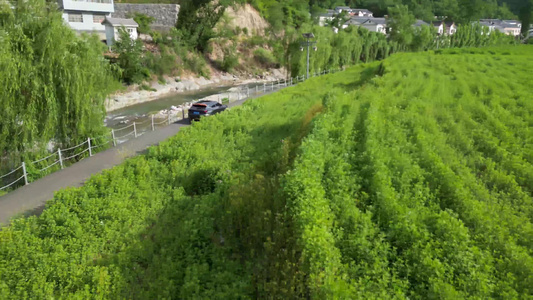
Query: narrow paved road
[31, 199]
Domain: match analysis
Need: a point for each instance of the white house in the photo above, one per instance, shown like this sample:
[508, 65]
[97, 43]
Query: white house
[354, 21]
[86, 15]
[376, 25]
[326, 17]
[340, 9]
[511, 27]
[420, 23]
[449, 28]
[355, 12]
[362, 13]
[439, 25]
[112, 26]
[372, 24]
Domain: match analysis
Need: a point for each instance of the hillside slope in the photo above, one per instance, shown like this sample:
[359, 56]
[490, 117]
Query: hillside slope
[410, 178]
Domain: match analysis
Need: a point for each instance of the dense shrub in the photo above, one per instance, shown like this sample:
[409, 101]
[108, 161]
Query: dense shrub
[130, 58]
[264, 57]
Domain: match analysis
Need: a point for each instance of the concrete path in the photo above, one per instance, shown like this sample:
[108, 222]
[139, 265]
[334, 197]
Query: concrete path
[31, 199]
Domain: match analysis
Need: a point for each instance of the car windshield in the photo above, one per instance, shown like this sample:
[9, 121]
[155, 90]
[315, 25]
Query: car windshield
[200, 105]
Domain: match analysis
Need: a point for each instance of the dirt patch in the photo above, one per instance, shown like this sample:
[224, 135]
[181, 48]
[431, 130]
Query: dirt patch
[247, 17]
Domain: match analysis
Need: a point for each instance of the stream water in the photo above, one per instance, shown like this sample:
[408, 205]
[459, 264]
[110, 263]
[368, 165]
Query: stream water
[140, 113]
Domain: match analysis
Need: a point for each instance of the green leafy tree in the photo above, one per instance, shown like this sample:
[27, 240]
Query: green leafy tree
[130, 58]
[197, 20]
[53, 82]
[526, 16]
[339, 20]
[400, 25]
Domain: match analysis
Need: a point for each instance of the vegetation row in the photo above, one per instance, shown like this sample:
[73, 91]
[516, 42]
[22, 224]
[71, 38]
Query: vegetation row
[407, 178]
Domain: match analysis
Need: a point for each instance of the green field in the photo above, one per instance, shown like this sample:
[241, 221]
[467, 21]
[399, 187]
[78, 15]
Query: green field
[407, 178]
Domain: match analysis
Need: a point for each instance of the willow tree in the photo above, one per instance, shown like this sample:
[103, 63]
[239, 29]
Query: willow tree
[52, 83]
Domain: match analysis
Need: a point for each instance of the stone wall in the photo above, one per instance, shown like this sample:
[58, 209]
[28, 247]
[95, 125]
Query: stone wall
[166, 15]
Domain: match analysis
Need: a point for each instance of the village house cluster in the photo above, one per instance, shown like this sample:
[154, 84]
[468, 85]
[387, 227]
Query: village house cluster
[105, 18]
[365, 18]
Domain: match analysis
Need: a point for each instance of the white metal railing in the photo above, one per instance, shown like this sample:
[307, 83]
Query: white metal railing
[61, 156]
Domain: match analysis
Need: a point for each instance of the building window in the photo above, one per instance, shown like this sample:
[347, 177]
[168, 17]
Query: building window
[131, 30]
[98, 19]
[75, 18]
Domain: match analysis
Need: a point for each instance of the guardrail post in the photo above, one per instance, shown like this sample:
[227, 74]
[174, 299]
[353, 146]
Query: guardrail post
[183, 111]
[264, 87]
[89, 144]
[168, 117]
[247, 91]
[24, 173]
[153, 126]
[113, 137]
[134, 130]
[60, 158]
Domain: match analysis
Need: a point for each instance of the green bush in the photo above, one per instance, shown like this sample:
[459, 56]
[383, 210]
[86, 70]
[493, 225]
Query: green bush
[229, 62]
[130, 58]
[146, 87]
[195, 62]
[256, 40]
[264, 57]
[164, 63]
[143, 20]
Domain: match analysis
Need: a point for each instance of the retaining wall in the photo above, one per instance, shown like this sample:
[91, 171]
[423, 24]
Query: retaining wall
[166, 15]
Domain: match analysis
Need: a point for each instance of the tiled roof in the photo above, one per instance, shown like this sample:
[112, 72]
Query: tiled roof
[115, 22]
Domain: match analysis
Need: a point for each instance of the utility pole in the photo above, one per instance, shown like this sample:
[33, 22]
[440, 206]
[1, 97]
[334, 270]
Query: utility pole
[308, 43]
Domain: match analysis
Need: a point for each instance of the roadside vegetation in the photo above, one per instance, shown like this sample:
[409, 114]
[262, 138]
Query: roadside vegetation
[405, 178]
[53, 83]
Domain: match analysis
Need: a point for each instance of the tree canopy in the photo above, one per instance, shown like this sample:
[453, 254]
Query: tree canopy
[54, 83]
[456, 10]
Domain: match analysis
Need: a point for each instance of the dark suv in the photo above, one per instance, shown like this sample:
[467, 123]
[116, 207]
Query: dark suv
[205, 108]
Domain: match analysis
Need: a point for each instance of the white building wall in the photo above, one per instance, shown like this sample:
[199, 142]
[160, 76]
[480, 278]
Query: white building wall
[112, 34]
[109, 35]
[87, 23]
[103, 6]
[512, 31]
[88, 9]
[322, 20]
[440, 29]
[371, 27]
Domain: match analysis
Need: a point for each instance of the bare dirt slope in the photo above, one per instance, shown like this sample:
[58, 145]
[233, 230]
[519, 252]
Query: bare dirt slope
[247, 17]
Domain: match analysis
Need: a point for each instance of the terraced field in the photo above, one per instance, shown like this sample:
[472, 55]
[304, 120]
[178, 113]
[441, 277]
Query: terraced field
[407, 178]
